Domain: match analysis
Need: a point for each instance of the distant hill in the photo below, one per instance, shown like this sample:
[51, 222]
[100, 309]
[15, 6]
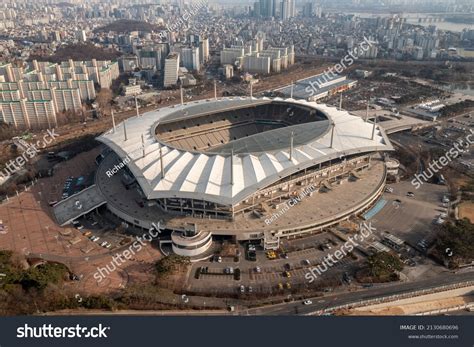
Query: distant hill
[85, 51]
[126, 26]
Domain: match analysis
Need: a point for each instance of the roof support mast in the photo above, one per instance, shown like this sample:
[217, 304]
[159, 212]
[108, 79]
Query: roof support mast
[125, 130]
[232, 167]
[332, 133]
[161, 163]
[291, 146]
[373, 128]
[113, 120]
[367, 112]
[136, 106]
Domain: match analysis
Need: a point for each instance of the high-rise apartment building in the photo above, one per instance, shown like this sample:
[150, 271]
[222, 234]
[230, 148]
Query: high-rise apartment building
[31, 95]
[288, 9]
[230, 55]
[171, 69]
[204, 50]
[191, 58]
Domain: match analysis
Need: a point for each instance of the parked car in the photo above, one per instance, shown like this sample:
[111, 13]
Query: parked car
[307, 302]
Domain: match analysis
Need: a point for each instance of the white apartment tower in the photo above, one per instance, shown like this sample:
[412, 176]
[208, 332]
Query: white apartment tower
[171, 69]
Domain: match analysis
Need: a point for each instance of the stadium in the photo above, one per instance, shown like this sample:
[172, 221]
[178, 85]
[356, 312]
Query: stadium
[242, 168]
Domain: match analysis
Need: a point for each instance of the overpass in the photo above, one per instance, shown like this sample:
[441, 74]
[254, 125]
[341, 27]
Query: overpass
[391, 122]
[78, 205]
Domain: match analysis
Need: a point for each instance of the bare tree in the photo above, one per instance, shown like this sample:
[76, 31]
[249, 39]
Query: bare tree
[103, 99]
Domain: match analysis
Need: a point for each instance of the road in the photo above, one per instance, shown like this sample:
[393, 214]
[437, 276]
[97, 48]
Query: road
[320, 303]
[296, 307]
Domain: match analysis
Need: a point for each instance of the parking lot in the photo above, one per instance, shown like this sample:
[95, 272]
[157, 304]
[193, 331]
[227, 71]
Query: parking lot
[269, 273]
[409, 214]
[411, 218]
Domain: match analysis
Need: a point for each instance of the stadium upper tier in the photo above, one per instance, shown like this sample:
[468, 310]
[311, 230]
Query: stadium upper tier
[185, 151]
[262, 127]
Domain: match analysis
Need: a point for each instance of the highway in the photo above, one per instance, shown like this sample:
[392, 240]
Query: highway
[296, 307]
[321, 303]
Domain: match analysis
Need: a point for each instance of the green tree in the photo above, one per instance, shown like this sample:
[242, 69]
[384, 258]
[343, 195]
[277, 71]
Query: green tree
[383, 265]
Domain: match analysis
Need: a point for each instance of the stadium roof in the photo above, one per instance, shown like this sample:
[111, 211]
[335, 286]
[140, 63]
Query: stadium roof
[314, 86]
[207, 176]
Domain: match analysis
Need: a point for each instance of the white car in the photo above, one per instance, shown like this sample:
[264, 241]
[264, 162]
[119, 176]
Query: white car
[103, 244]
[307, 302]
